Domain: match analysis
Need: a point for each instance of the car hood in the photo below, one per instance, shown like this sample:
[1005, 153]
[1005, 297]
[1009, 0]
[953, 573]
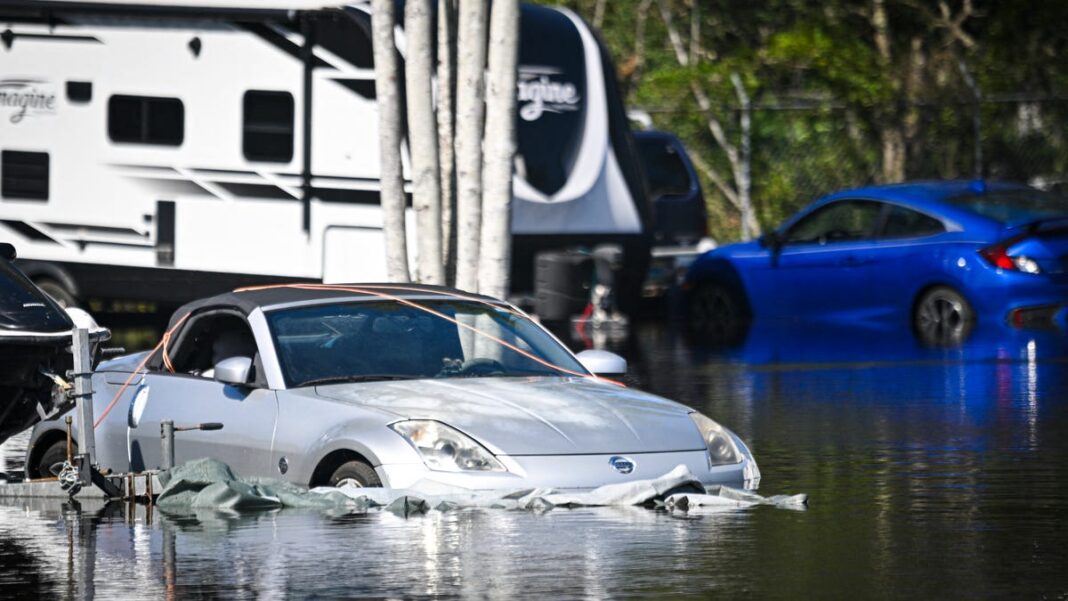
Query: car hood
[535, 416]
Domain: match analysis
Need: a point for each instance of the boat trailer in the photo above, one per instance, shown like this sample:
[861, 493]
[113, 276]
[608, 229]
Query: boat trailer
[80, 473]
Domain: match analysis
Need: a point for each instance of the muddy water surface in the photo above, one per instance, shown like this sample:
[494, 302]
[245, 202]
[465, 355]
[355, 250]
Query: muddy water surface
[931, 473]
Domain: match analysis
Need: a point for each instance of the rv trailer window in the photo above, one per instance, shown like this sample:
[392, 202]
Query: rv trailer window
[268, 126]
[24, 175]
[146, 120]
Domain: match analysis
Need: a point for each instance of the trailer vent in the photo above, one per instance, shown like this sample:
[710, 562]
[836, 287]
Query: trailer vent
[146, 120]
[268, 126]
[24, 175]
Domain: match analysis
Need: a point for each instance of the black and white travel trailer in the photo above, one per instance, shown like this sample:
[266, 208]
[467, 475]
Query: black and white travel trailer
[168, 150]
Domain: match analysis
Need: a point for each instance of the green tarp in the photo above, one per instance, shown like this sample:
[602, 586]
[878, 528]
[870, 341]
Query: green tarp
[210, 484]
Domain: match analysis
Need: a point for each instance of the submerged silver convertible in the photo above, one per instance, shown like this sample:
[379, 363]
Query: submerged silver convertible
[387, 385]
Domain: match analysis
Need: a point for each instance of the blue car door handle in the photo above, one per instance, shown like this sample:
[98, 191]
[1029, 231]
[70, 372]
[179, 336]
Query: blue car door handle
[851, 262]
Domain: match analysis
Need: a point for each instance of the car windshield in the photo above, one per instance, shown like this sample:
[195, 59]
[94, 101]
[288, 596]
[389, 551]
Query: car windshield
[383, 340]
[1014, 206]
[14, 292]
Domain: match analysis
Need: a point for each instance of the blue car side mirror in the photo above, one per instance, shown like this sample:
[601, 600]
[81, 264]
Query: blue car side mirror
[771, 241]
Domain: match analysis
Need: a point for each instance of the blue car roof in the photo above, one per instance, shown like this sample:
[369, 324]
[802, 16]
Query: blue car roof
[936, 191]
[929, 196]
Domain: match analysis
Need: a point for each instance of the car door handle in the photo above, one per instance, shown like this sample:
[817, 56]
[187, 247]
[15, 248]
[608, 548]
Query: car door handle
[852, 262]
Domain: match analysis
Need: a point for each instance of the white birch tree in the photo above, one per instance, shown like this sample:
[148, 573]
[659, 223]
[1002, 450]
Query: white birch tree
[739, 194]
[499, 149]
[389, 140]
[470, 113]
[423, 139]
[446, 112]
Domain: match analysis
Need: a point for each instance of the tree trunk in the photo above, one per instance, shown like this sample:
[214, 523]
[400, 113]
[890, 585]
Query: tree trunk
[893, 153]
[470, 113]
[633, 79]
[977, 118]
[891, 135]
[598, 13]
[750, 225]
[739, 195]
[881, 26]
[389, 141]
[499, 149]
[695, 31]
[423, 139]
[446, 132]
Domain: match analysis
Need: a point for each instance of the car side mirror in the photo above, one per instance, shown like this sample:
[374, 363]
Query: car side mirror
[234, 370]
[603, 363]
[771, 240]
[7, 251]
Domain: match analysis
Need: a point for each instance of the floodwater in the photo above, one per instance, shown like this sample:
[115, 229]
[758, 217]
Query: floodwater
[931, 473]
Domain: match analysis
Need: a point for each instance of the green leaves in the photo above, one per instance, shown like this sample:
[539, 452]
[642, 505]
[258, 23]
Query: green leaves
[827, 90]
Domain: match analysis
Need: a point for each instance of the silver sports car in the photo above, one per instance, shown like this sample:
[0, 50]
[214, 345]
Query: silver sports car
[386, 385]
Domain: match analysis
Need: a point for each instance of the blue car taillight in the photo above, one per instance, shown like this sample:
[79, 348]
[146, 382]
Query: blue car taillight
[998, 256]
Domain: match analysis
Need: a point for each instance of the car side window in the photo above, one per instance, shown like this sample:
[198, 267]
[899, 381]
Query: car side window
[841, 221]
[906, 223]
[210, 339]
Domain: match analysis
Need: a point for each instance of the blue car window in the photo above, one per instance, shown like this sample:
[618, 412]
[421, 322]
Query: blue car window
[906, 223]
[841, 221]
[1014, 206]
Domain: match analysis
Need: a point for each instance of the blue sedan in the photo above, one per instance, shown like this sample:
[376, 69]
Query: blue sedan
[938, 255]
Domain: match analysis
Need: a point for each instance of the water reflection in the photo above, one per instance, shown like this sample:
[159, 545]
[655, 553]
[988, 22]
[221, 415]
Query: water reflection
[932, 472]
[119, 551]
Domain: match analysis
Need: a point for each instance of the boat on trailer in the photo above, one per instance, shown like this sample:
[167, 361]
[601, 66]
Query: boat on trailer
[35, 335]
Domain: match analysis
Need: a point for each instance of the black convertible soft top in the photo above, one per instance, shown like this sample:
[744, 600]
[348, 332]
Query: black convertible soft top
[248, 300]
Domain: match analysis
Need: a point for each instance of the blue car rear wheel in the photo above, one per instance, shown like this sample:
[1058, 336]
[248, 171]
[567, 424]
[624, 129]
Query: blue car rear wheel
[719, 312]
[943, 317]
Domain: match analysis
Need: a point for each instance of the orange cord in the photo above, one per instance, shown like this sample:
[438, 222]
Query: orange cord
[456, 295]
[166, 360]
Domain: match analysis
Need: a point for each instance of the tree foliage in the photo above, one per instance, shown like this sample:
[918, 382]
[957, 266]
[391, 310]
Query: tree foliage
[849, 92]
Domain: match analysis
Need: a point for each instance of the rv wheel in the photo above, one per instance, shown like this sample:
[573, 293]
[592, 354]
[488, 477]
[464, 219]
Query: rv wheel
[57, 291]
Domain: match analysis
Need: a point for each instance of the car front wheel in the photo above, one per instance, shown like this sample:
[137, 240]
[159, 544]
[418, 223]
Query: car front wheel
[943, 316]
[718, 312]
[355, 473]
[56, 453]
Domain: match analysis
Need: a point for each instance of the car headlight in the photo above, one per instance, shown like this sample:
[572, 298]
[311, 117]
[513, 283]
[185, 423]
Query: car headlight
[721, 448]
[446, 449]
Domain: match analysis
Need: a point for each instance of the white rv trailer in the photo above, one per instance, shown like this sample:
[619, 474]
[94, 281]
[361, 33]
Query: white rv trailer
[167, 150]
